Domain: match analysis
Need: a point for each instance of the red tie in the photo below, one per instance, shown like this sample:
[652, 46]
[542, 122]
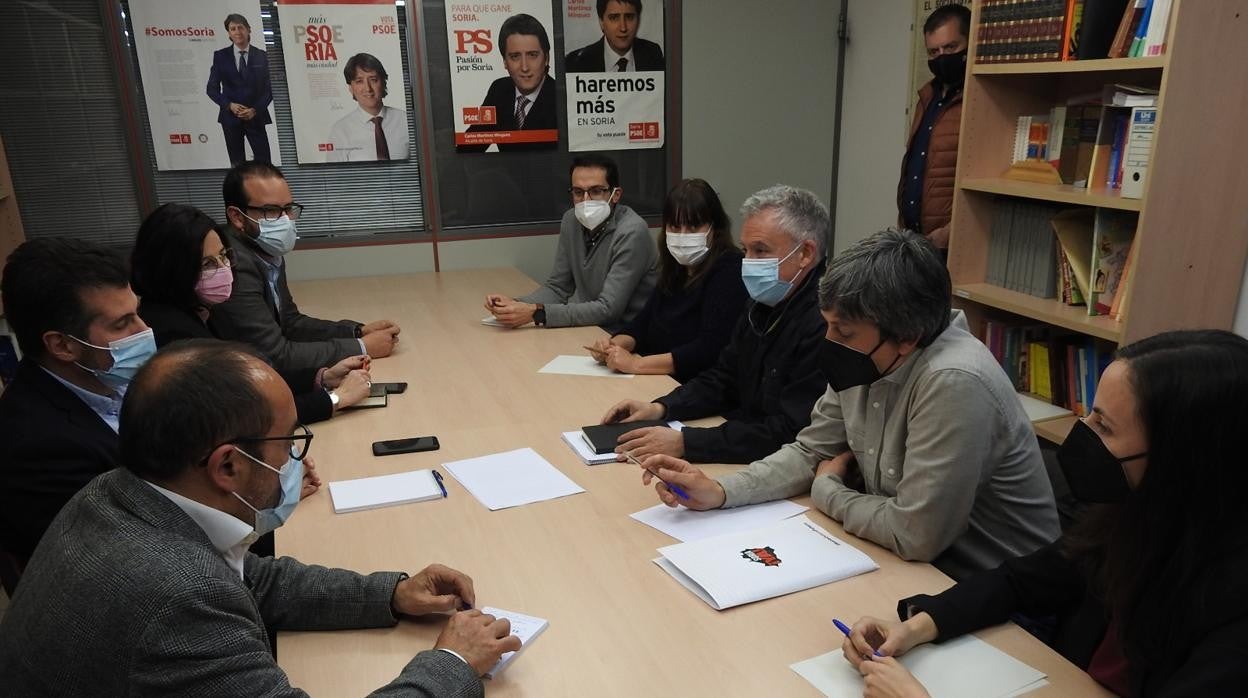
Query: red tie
[383, 149]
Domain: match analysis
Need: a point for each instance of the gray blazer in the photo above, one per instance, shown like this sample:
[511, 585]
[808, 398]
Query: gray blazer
[289, 339]
[125, 596]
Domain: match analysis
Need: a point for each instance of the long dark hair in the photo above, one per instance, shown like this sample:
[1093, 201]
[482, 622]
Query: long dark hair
[165, 263]
[1150, 556]
[692, 203]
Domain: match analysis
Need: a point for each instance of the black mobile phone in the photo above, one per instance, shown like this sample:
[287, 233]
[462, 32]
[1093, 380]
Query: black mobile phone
[415, 445]
[392, 387]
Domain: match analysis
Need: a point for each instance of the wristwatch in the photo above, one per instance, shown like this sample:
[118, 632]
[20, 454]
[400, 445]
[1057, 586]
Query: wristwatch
[539, 315]
[333, 399]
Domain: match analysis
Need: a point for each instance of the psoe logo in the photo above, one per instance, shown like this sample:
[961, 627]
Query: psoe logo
[486, 116]
[763, 556]
[643, 131]
[324, 147]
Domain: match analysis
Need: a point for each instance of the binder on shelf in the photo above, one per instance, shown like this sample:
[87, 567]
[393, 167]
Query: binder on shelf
[1139, 151]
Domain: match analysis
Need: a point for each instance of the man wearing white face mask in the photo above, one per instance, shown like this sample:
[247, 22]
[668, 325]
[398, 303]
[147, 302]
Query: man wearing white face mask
[76, 320]
[605, 264]
[260, 310]
[163, 539]
[766, 379]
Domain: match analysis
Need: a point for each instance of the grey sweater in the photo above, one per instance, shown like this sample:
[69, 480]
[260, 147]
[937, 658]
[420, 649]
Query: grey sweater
[607, 285]
[952, 470]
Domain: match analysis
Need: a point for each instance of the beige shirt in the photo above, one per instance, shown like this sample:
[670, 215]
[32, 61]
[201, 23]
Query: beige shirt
[952, 468]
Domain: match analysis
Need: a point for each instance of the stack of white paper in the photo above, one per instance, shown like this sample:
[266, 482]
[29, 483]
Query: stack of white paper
[527, 628]
[963, 668]
[491, 321]
[686, 524]
[740, 568]
[383, 491]
[510, 479]
[580, 366]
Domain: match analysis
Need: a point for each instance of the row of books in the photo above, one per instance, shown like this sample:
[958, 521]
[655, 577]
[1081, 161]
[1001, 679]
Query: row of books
[1080, 256]
[1013, 31]
[1062, 369]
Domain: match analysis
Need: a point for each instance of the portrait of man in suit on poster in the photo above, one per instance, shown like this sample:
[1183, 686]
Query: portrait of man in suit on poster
[239, 84]
[619, 50]
[526, 99]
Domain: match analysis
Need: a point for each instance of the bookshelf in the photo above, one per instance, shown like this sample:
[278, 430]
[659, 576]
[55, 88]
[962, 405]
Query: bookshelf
[1191, 241]
[11, 233]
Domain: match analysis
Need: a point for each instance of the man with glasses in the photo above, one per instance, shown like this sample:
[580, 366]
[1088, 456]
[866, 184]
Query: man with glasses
[144, 585]
[76, 321]
[260, 310]
[605, 265]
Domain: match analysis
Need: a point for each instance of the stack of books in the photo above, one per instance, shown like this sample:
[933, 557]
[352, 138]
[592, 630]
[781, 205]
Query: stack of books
[1061, 369]
[1015, 31]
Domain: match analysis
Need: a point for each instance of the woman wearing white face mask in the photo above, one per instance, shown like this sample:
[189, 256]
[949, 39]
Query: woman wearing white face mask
[699, 297]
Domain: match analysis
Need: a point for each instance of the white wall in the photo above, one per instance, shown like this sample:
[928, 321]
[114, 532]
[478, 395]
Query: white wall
[874, 119]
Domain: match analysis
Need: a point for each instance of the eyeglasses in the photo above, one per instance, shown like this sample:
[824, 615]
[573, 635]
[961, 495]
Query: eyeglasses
[299, 442]
[212, 263]
[272, 213]
[596, 193]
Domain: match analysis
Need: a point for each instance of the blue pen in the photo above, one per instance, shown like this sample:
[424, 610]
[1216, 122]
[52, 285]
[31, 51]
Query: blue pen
[845, 629]
[675, 490]
[442, 486]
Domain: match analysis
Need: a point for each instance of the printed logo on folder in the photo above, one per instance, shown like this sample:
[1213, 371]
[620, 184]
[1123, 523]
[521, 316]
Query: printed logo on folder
[763, 556]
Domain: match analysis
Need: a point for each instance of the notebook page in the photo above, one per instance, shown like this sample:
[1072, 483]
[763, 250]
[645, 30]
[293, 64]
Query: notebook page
[383, 490]
[512, 478]
[527, 628]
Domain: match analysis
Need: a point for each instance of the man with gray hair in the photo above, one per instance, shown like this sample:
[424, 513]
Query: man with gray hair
[917, 412]
[766, 379]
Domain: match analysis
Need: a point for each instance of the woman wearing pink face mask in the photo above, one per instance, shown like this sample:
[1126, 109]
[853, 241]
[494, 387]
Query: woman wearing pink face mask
[181, 266]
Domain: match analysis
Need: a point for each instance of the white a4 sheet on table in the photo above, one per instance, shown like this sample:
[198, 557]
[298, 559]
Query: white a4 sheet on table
[570, 365]
[740, 568]
[512, 478]
[963, 668]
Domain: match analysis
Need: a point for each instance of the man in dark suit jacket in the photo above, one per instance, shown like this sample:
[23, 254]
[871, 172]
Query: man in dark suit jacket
[526, 99]
[209, 440]
[58, 418]
[239, 84]
[618, 20]
[260, 310]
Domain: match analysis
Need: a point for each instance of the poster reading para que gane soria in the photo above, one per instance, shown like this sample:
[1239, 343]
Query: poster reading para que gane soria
[615, 74]
[504, 85]
[344, 68]
[205, 75]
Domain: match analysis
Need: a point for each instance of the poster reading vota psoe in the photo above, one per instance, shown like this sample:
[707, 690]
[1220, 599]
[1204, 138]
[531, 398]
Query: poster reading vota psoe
[504, 89]
[615, 74]
[205, 75]
[344, 67]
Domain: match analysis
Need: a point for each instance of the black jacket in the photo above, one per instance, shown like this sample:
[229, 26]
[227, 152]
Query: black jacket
[764, 382]
[543, 115]
[591, 59]
[1214, 661]
[51, 445]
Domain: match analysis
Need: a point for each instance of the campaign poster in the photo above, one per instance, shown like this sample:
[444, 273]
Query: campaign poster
[205, 75]
[615, 74]
[504, 85]
[344, 67]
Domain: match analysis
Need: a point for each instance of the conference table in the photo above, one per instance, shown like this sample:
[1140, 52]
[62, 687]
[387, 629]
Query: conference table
[619, 625]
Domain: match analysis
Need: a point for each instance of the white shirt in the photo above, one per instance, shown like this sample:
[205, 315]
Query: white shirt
[610, 58]
[532, 97]
[229, 536]
[108, 407]
[355, 140]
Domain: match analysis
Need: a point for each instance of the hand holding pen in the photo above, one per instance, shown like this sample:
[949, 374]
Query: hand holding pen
[680, 484]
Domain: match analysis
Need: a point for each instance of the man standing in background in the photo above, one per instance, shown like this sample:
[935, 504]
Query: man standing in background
[239, 84]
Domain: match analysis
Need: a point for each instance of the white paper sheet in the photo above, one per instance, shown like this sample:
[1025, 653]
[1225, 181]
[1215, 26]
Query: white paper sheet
[510, 479]
[686, 525]
[491, 321]
[580, 366]
[963, 668]
[576, 440]
[743, 567]
[527, 628]
[384, 491]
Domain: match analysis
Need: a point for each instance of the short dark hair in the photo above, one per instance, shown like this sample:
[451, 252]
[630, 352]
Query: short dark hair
[601, 162]
[602, 6]
[895, 279]
[949, 13]
[692, 203]
[232, 190]
[522, 24]
[369, 62]
[235, 18]
[193, 396]
[165, 261]
[43, 283]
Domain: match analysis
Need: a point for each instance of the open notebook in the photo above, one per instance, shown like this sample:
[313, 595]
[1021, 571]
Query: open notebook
[527, 628]
[740, 568]
[384, 491]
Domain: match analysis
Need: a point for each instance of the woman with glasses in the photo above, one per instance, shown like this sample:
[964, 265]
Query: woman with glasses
[181, 266]
[699, 297]
[1147, 587]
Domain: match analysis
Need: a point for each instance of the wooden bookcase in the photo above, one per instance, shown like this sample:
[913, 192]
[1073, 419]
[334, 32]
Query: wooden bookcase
[1192, 239]
[11, 234]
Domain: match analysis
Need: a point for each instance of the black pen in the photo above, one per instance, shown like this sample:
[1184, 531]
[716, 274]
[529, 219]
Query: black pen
[438, 476]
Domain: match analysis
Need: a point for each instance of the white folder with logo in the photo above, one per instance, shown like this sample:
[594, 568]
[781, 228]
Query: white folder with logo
[740, 568]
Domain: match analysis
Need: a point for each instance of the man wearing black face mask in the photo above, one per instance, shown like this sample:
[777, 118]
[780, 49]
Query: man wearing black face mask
[925, 192]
